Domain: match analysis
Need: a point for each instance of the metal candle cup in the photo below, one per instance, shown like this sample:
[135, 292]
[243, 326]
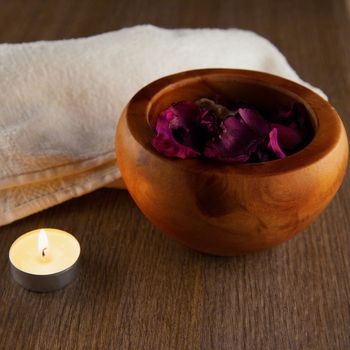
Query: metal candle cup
[44, 260]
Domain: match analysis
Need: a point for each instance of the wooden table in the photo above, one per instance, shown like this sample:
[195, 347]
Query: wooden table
[139, 290]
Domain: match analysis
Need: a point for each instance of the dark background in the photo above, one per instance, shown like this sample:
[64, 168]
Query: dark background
[139, 290]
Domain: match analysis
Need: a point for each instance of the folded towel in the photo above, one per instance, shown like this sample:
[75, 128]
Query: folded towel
[60, 102]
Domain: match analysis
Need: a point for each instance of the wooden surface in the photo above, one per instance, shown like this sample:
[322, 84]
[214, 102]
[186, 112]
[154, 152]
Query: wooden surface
[139, 290]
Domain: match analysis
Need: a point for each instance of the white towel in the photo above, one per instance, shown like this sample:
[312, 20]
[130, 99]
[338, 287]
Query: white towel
[60, 102]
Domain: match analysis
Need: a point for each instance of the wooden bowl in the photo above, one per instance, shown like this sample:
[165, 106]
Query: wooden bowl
[231, 209]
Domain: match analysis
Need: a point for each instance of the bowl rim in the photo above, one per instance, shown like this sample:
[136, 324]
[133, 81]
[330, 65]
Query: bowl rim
[327, 131]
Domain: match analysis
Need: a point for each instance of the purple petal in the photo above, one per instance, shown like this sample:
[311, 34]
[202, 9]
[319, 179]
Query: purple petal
[184, 118]
[176, 131]
[254, 121]
[273, 144]
[289, 138]
[235, 143]
[209, 128]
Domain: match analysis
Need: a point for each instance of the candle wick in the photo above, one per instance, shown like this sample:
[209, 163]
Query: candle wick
[43, 254]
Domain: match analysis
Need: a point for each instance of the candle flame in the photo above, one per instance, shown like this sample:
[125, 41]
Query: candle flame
[43, 243]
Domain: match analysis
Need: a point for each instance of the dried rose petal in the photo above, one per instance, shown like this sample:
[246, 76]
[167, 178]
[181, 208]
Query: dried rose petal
[208, 128]
[176, 131]
[254, 121]
[289, 138]
[235, 143]
[273, 144]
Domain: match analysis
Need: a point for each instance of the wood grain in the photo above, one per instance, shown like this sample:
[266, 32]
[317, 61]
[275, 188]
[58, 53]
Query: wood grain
[138, 289]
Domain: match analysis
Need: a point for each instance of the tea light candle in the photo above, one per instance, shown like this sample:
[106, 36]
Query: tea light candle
[44, 260]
